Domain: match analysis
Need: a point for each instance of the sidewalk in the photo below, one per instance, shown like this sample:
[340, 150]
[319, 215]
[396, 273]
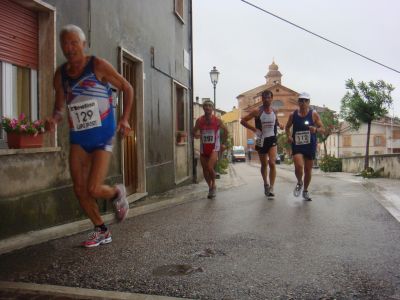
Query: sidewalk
[180, 195]
[149, 204]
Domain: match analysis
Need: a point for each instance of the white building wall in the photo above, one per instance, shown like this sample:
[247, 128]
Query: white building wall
[359, 140]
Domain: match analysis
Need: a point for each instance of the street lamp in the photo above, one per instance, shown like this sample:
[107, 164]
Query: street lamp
[214, 80]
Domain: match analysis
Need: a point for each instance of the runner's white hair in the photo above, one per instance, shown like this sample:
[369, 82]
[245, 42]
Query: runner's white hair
[209, 102]
[75, 29]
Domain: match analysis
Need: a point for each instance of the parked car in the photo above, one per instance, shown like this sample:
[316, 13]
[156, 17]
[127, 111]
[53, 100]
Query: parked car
[238, 154]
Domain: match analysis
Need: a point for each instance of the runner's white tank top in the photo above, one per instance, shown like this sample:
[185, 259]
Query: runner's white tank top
[268, 124]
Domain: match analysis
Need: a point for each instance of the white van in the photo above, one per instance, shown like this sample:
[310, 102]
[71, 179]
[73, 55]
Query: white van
[238, 153]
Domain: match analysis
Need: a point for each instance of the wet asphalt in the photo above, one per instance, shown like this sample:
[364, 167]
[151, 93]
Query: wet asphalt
[241, 245]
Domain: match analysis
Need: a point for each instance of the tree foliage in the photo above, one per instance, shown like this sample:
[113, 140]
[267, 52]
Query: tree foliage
[330, 164]
[283, 145]
[364, 103]
[330, 120]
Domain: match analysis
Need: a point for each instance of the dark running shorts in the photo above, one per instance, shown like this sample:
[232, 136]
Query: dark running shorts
[269, 142]
[306, 155]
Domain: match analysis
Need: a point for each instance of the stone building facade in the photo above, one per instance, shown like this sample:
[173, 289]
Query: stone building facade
[150, 44]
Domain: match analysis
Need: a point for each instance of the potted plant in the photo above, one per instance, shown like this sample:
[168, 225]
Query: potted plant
[181, 137]
[22, 133]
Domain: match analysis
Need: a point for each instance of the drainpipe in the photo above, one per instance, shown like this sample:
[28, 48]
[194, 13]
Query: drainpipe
[89, 38]
[194, 160]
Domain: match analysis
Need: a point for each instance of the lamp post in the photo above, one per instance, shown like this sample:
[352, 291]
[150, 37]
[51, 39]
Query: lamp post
[214, 80]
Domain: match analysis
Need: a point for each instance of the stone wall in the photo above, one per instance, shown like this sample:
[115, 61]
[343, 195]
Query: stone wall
[389, 162]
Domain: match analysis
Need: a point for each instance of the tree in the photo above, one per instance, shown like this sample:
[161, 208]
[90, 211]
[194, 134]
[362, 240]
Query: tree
[364, 103]
[331, 123]
[283, 145]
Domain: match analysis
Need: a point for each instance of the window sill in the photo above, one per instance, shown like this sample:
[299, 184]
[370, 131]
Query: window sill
[181, 144]
[4, 152]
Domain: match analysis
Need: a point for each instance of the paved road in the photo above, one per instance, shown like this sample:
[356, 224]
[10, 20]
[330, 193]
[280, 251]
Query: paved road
[342, 245]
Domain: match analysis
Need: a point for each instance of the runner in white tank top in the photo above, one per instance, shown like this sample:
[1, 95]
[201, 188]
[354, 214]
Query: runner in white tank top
[266, 123]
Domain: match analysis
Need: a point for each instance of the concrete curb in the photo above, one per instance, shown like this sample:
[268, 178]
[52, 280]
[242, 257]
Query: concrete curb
[73, 293]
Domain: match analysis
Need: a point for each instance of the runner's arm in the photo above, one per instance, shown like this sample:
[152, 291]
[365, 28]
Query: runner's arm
[245, 120]
[106, 73]
[319, 128]
[196, 130]
[288, 127]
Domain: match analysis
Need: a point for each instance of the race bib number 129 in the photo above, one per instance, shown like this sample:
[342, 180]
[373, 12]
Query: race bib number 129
[85, 115]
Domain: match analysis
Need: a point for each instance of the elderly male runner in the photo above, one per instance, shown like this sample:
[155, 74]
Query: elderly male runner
[266, 128]
[303, 138]
[83, 83]
[208, 128]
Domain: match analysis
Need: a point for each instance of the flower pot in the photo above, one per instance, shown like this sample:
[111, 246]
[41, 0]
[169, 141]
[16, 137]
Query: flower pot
[181, 137]
[18, 140]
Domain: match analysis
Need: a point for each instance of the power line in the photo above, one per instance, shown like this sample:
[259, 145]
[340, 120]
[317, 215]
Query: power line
[319, 36]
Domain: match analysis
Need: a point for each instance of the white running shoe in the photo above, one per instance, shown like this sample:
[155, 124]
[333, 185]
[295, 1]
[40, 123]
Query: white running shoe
[121, 205]
[271, 192]
[306, 196]
[96, 238]
[297, 189]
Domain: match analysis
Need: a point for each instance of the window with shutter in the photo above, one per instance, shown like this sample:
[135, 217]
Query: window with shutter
[20, 58]
[347, 141]
[18, 35]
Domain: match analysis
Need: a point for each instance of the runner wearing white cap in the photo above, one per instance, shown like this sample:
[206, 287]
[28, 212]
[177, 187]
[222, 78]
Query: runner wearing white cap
[303, 138]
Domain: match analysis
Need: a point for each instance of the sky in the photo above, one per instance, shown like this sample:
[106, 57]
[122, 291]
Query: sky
[242, 42]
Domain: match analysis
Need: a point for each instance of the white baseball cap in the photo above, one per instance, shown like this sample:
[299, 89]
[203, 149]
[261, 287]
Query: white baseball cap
[304, 95]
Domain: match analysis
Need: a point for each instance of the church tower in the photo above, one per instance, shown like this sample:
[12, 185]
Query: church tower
[273, 76]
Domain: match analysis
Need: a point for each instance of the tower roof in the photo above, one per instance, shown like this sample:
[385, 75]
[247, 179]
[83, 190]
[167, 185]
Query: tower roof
[273, 66]
[273, 75]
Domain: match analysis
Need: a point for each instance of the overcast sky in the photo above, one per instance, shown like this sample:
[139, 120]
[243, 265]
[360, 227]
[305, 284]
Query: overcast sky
[242, 41]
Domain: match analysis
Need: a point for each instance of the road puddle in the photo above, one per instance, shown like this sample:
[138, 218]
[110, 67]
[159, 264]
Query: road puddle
[176, 270]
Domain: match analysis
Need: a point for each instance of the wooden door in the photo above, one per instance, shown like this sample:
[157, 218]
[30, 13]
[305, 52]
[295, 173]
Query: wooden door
[129, 70]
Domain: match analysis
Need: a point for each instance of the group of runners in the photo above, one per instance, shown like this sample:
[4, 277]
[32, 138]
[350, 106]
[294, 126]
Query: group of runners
[301, 129]
[84, 85]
